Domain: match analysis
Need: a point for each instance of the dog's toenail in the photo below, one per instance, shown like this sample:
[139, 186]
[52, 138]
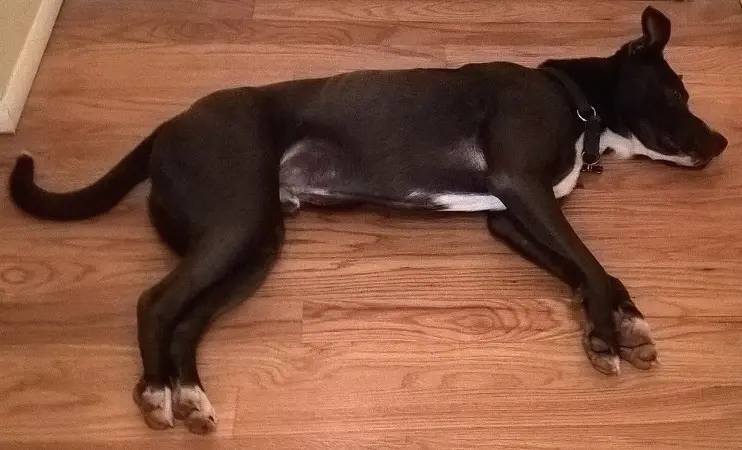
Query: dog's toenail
[647, 353]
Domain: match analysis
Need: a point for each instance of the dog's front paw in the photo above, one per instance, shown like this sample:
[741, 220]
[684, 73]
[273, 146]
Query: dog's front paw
[635, 339]
[601, 356]
[191, 404]
[155, 402]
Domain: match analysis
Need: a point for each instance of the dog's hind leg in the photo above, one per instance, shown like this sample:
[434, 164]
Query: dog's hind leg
[211, 258]
[215, 198]
[190, 402]
[171, 228]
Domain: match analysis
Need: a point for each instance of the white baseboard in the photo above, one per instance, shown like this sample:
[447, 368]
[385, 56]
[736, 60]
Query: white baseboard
[26, 65]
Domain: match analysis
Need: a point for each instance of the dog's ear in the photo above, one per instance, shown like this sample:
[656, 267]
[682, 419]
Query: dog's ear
[656, 28]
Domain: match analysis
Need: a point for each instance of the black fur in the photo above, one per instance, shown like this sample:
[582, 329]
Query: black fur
[93, 200]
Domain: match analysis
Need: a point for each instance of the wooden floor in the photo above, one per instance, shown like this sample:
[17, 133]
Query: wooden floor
[377, 329]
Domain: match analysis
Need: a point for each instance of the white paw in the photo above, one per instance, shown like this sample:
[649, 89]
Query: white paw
[601, 356]
[156, 405]
[635, 339]
[191, 404]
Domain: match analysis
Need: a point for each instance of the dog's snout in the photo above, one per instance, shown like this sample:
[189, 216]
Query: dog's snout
[720, 143]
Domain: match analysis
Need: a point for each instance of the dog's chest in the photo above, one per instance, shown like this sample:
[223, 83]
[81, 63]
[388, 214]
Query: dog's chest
[450, 178]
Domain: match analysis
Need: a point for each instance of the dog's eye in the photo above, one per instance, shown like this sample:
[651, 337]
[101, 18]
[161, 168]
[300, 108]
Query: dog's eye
[677, 95]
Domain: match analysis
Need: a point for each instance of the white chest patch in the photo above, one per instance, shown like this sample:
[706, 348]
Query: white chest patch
[484, 202]
[626, 147]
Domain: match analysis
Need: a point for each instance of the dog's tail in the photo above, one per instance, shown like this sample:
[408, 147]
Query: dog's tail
[90, 201]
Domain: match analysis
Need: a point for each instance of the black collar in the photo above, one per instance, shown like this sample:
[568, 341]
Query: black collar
[586, 112]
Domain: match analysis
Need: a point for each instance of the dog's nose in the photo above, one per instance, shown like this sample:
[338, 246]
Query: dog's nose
[720, 143]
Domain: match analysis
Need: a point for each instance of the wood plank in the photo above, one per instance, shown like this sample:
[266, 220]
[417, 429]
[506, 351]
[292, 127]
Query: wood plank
[79, 32]
[504, 11]
[475, 321]
[168, 76]
[69, 392]
[84, 316]
[656, 436]
[91, 11]
[700, 64]
[227, 65]
[418, 385]
[410, 409]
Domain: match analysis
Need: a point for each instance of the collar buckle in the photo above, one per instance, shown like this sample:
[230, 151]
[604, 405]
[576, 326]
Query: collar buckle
[589, 114]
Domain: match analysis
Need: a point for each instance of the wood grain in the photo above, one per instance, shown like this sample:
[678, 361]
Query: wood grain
[377, 329]
[510, 11]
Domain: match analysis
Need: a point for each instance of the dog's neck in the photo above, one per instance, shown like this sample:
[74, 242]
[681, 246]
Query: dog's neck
[598, 79]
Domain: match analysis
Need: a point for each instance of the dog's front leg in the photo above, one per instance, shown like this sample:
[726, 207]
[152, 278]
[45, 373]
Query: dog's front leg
[535, 226]
[502, 225]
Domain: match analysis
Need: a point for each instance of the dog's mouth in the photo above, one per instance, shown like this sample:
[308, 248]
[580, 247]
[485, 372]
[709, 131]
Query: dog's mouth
[699, 163]
[657, 140]
[697, 160]
[667, 145]
[695, 153]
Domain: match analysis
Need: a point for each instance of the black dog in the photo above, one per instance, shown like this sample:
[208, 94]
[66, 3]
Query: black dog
[498, 138]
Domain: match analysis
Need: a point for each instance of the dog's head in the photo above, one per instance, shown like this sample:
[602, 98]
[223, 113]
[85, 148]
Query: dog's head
[653, 102]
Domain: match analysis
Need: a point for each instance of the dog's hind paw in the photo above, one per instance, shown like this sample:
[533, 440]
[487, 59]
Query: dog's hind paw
[155, 404]
[635, 340]
[191, 404]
